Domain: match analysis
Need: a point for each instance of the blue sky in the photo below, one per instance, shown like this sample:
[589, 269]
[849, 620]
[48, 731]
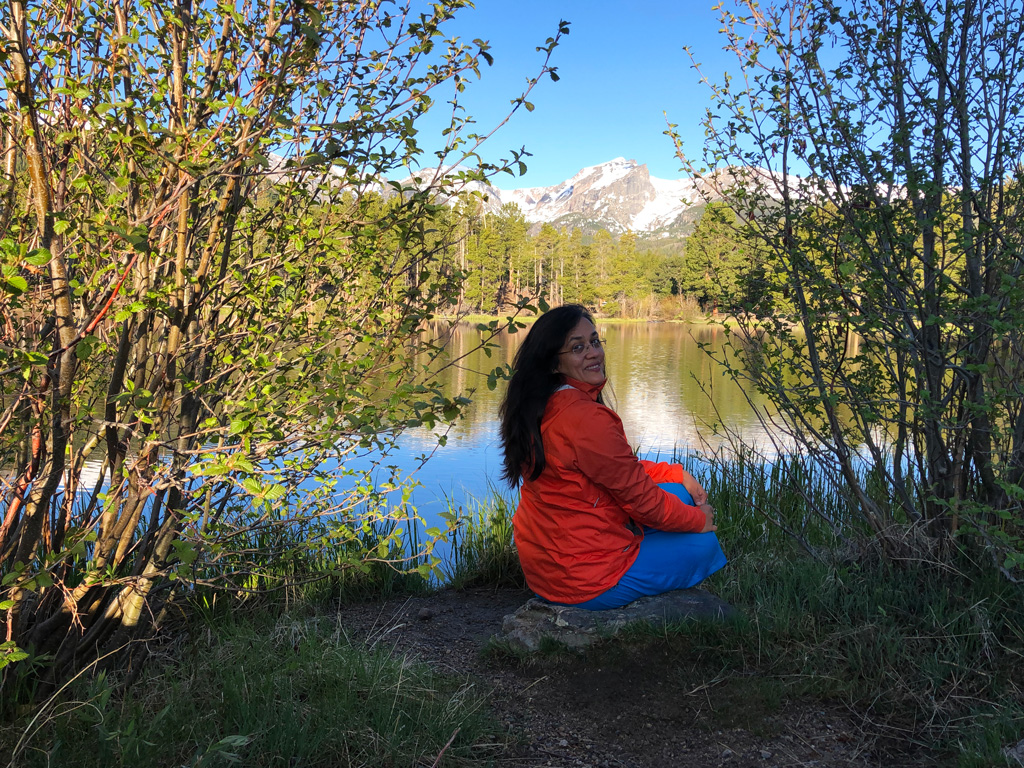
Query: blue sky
[621, 68]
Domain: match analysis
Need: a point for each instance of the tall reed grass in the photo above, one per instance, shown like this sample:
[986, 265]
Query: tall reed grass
[317, 561]
[483, 551]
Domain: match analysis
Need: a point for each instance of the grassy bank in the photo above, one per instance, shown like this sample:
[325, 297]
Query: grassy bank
[925, 653]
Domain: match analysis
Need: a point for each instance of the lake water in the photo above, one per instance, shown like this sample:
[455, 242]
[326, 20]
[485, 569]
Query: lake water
[671, 396]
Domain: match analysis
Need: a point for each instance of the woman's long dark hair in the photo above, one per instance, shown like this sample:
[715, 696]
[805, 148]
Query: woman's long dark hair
[534, 379]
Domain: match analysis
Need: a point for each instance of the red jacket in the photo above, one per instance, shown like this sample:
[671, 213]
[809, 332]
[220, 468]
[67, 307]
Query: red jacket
[577, 527]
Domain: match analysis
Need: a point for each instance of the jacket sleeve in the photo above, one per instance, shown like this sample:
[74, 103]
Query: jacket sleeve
[603, 455]
[663, 472]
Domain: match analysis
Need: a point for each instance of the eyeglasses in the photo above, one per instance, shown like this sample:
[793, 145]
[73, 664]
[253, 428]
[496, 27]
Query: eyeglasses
[579, 348]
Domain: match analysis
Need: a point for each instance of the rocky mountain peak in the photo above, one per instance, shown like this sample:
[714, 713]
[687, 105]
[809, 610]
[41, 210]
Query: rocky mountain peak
[619, 195]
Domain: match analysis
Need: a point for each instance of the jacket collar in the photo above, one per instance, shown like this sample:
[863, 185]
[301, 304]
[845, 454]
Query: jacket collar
[590, 390]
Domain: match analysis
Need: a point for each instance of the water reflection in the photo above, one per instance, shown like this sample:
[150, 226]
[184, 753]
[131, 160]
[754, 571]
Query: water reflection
[669, 393]
[671, 396]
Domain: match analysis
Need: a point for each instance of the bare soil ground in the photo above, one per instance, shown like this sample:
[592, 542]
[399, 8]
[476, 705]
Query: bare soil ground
[624, 704]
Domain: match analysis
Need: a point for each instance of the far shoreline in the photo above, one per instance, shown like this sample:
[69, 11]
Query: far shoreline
[476, 319]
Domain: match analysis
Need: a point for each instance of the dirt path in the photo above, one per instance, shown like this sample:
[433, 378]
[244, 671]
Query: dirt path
[621, 705]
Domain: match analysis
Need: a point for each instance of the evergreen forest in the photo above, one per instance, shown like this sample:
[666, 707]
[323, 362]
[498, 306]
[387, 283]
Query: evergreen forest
[504, 258]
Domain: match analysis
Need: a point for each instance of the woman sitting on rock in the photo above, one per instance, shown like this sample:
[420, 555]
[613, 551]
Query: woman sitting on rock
[594, 528]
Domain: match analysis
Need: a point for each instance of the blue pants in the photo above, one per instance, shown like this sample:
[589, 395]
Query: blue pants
[666, 561]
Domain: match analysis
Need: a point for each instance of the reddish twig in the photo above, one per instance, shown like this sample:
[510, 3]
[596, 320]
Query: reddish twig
[444, 749]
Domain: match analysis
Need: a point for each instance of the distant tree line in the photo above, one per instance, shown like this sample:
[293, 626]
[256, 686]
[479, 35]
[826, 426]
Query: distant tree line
[498, 262]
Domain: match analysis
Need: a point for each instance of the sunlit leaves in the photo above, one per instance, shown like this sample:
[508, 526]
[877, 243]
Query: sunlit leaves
[228, 295]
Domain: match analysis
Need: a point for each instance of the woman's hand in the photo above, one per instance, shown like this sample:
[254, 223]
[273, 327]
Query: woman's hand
[700, 496]
[709, 518]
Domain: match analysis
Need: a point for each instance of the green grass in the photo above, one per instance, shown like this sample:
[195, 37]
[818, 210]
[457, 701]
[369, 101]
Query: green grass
[935, 648]
[263, 693]
[315, 561]
[895, 643]
[931, 651]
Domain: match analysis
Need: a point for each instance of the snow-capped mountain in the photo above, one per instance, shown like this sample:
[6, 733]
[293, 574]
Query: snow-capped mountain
[619, 195]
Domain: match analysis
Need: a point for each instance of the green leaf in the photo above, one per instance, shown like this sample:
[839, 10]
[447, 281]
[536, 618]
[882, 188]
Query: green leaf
[15, 284]
[10, 653]
[238, 426]
[38, 257]
[185, 551]
[84, 348]
[274, 492]
[44, 579]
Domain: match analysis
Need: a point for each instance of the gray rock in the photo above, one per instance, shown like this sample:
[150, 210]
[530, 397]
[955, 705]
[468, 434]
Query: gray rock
[1015, 753]
[577, 628]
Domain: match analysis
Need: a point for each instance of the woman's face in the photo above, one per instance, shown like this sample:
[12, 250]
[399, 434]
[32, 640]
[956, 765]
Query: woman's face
[582, 356]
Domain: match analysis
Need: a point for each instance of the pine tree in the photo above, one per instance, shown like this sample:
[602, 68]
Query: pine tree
[716, 261]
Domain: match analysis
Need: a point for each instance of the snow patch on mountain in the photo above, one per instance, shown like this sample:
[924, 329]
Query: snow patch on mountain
[620, 195]
[672, 198]
[608, 173]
